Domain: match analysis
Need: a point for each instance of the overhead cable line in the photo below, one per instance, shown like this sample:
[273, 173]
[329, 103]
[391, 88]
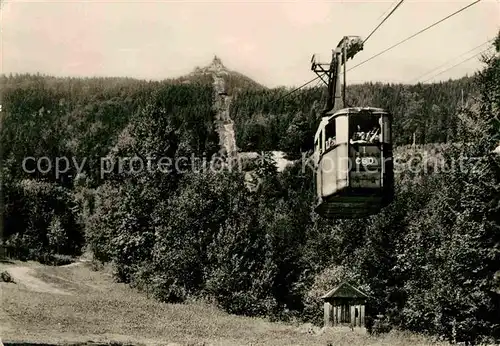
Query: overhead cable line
[418, 33]
[383, 14]
[447, 62]
[382, 22]
[387, 49]
[318, 83]
[373, 31]
[294, 90]
[461, 62]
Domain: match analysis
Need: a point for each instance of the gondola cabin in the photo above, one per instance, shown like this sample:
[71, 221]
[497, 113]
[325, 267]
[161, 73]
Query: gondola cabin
[353, 160]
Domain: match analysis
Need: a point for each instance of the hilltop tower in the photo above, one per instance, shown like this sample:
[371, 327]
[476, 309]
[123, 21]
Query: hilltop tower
[217, 61]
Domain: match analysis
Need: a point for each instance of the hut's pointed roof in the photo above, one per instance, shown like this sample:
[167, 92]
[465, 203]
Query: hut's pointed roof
[345, 290]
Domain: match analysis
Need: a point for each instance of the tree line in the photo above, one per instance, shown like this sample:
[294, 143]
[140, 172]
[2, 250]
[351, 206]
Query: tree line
[275, 120]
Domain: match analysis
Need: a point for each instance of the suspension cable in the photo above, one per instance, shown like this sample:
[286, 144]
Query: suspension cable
[382, 22]
[366, 39]
[387, 10]
[461, 62]
[387, 49]
[446, 63]
[294, 90]
[418, 33]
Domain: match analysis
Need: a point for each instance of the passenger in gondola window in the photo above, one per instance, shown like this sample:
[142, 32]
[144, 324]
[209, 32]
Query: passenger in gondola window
[374, 135]
[358, 136]
[330, 143]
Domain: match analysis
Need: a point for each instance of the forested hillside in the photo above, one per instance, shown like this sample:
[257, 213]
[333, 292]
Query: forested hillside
[271, 120]
[428, 260]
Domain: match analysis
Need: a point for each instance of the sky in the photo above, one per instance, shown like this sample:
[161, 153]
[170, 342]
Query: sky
[270, 41]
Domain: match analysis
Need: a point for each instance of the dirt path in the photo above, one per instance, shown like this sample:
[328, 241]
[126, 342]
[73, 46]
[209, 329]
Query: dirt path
[24, 277]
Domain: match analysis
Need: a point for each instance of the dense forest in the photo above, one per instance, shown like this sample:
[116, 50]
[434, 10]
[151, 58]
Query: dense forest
[429, 261]
[272, 120]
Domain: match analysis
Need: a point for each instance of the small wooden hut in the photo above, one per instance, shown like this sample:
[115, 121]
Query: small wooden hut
[345, 305]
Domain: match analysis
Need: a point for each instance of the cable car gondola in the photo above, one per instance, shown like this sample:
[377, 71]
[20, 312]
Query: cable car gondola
[352, 150]
[354, 168]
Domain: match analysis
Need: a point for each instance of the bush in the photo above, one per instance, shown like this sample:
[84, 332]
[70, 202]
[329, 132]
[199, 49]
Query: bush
[380, 326]
[40, 219]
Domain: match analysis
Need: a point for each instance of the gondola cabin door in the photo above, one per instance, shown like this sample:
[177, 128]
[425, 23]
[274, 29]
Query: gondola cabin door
[354, 168]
